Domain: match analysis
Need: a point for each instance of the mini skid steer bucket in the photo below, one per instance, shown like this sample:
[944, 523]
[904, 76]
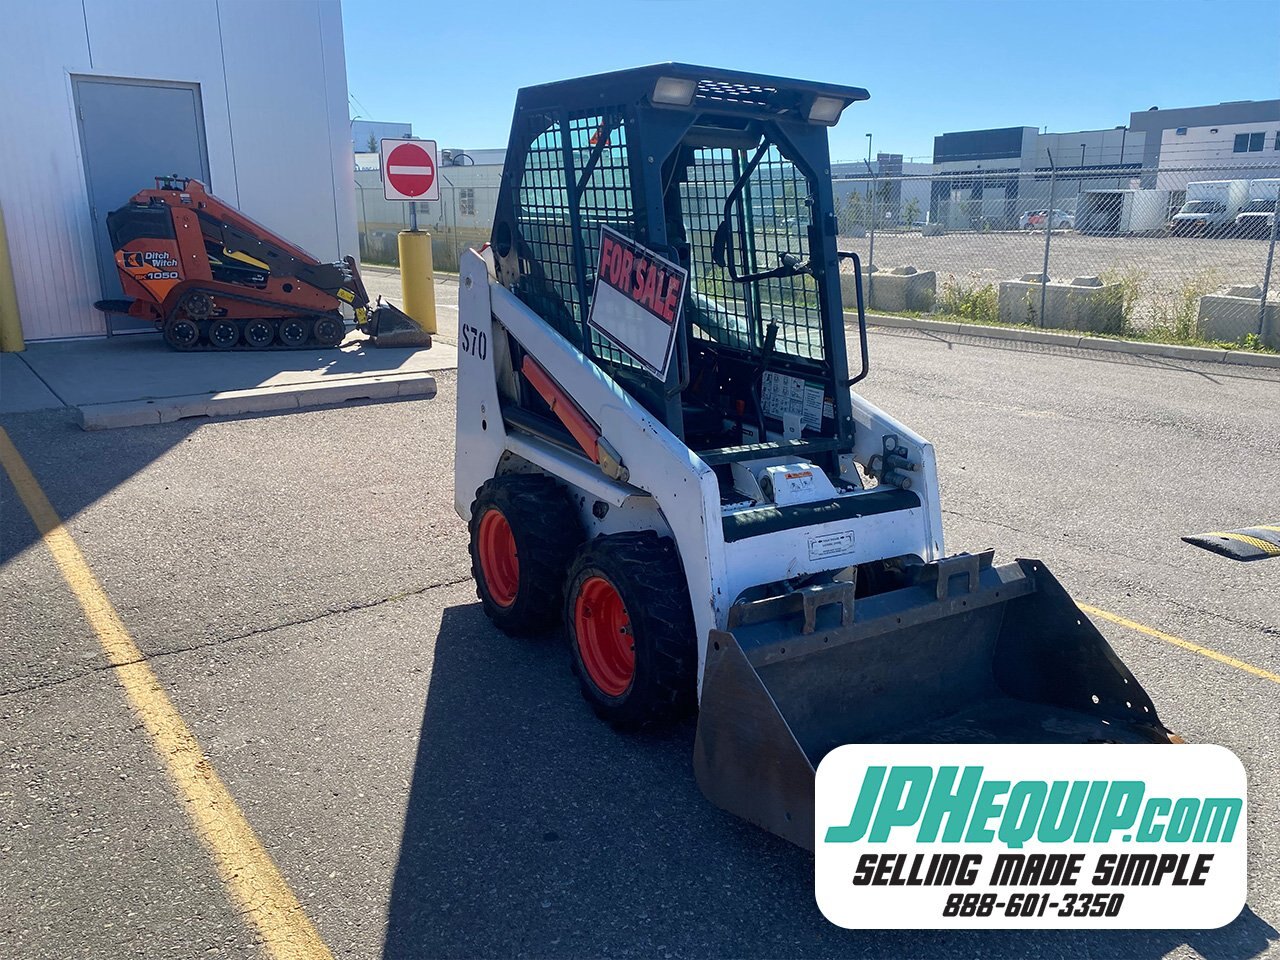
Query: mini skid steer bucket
[660, 454]
[971, 653]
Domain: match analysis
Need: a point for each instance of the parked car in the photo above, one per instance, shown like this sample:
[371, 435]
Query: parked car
[1034, 219]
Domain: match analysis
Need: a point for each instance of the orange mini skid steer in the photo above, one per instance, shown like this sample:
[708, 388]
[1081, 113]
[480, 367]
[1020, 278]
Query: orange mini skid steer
[211, 278]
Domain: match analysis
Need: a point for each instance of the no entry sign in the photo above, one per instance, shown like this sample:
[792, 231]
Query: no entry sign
[409, 170]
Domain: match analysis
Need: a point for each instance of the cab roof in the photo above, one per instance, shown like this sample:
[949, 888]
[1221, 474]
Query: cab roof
[714, 89]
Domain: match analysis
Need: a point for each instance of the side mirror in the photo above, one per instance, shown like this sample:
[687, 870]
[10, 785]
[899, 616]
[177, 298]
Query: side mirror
[720, 245]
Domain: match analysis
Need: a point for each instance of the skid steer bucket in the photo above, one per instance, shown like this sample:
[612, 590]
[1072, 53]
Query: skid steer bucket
[391, 327]
[970, 653]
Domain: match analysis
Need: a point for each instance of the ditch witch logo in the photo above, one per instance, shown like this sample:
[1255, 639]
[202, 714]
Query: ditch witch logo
[148, 258]
[931, 835]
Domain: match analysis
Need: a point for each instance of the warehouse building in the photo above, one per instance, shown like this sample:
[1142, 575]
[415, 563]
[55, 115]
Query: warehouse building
[1236, 132]
[1198, 143]
[106, 96]
[998, 172]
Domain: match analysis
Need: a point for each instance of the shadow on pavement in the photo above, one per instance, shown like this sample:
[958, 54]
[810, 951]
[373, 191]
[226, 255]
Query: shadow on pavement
[76, 468]
[533, 829]
[141, 367]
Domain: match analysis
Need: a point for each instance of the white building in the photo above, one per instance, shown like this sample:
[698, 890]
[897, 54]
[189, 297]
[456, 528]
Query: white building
[902, 196]
[1229, 151]
[463, 216]
[102, 96]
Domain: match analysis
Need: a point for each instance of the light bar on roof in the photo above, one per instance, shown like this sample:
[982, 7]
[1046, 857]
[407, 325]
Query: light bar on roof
[826, 110]
[674, 91]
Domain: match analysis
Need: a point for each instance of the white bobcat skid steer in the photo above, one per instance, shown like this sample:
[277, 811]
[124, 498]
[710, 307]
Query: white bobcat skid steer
[659, 452]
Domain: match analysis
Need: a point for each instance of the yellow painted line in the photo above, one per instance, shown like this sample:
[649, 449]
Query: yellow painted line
[256, 886]
[1179, 642]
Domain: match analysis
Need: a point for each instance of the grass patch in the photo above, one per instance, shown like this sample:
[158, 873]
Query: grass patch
[977, 303]
[1250, 342]
[1168, 319]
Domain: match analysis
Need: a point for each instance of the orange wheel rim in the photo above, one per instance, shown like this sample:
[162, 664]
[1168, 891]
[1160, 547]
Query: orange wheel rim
[498, 561]
[605, 642]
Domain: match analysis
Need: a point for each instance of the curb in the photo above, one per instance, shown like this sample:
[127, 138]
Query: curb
[137, 413]
[1168, 350]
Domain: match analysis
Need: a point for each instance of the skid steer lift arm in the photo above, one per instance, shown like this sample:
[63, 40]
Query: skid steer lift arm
[658, 450]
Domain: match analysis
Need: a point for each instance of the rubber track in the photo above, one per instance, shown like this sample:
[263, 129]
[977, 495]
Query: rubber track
[204, 346]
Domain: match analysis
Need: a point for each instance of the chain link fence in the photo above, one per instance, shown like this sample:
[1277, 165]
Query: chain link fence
[461, 219]
[1181, 254]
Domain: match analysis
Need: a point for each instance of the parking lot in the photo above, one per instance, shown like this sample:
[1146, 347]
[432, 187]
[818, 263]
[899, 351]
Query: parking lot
[428, 787]
[1164, 270]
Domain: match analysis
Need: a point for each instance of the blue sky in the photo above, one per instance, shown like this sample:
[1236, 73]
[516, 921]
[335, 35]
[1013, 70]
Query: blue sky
[932, 66]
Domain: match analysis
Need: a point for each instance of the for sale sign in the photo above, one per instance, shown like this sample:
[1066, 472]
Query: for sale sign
[1038, 836]
[638, 300]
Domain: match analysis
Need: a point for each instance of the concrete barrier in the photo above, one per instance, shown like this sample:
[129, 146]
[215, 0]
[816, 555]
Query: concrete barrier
[1232, 313]
[1085, 303]
[894, 290]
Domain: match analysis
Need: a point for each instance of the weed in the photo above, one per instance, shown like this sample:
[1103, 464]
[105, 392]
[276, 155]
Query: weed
[1176, 320]
[1124, 290]
[976, 303]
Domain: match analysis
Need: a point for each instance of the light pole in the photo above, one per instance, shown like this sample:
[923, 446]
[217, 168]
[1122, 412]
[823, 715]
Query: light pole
[1080, 182]
[868, 148]
[1124, 132]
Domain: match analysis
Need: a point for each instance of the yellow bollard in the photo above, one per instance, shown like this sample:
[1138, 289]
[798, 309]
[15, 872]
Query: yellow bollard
[10, 323]
[417, 279]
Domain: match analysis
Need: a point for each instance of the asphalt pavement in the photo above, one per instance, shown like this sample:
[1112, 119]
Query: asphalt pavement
[299, 584]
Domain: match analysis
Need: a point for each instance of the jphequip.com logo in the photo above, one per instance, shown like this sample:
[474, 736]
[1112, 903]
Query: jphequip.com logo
[1087, 835]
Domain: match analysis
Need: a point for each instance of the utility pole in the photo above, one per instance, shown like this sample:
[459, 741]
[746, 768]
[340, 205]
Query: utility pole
[1048, 224]
[871, 247]
[1124, 132]
[1266, 277]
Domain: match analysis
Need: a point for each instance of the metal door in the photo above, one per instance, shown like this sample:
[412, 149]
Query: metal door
[132, 131]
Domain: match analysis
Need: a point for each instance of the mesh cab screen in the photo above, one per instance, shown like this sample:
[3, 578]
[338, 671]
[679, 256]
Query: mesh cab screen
[771, 218]
[549, 285]
[605, 201]
[595, 173]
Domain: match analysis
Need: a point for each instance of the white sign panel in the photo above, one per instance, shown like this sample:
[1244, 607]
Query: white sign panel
[928, 836]
[410, 170]
[638, 299]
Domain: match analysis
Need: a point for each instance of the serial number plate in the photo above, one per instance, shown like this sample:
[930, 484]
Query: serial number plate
[830, 545]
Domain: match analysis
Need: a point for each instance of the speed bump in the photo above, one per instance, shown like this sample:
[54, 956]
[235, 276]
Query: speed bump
[1247, 543]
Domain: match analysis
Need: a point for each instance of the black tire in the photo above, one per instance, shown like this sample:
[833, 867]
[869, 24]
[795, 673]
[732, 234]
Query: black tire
[546, 529]
[223, 334]
[329, 331]
[645, 571]
[181, 333]
[294, 331]
[259, 334]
